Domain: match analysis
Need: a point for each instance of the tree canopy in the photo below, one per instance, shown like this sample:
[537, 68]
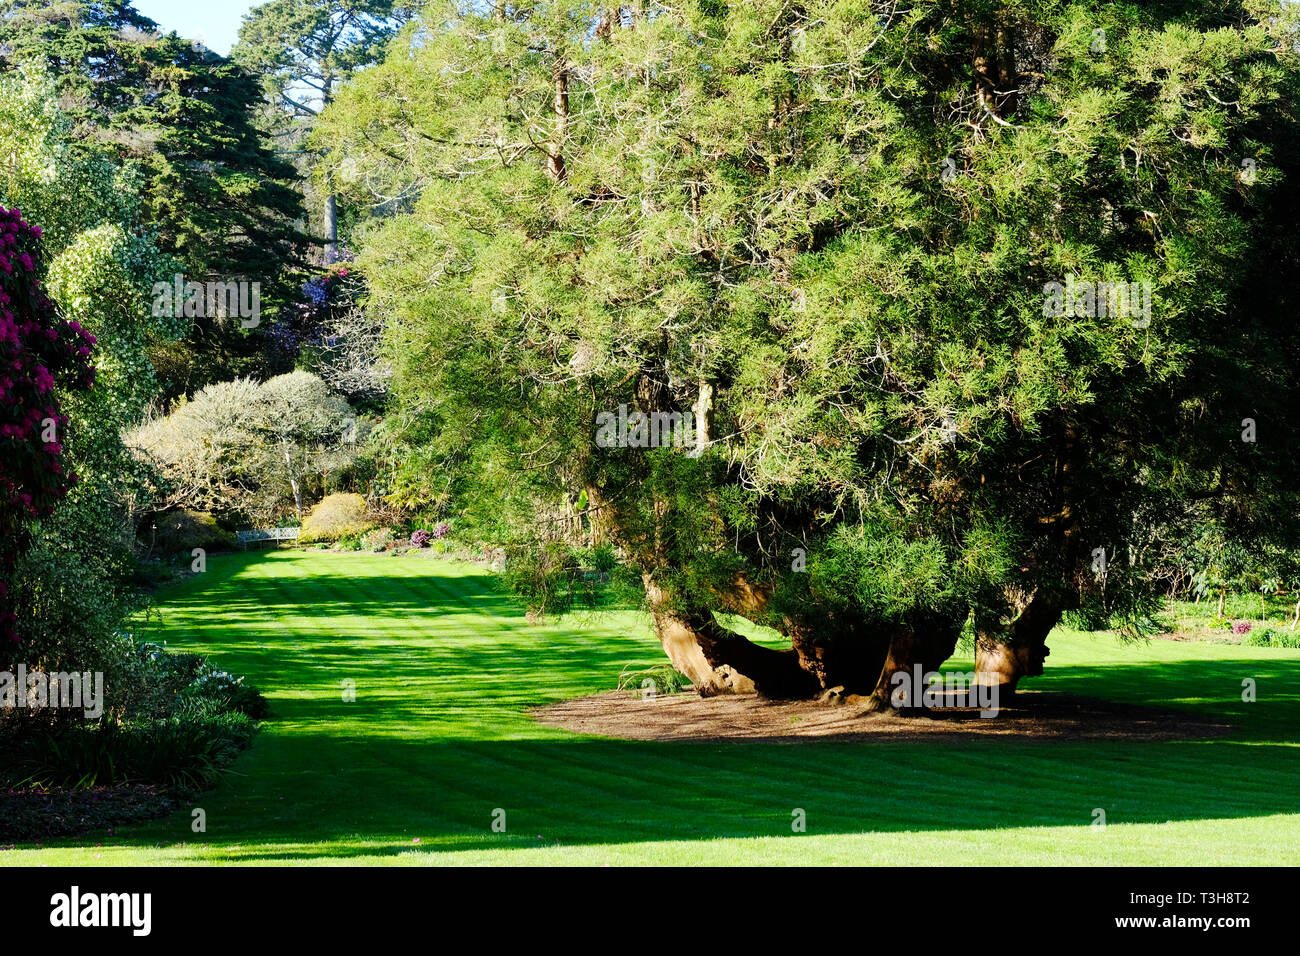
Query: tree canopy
[967, 301]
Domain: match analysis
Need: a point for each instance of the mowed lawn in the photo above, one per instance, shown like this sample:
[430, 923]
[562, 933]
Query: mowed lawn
[439, 739]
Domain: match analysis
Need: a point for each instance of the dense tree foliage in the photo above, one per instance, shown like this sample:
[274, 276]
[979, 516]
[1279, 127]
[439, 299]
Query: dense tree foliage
[72, 588]
[183, 120]
[240, 449]
[303, 50]
[876, 252]
[212, 188]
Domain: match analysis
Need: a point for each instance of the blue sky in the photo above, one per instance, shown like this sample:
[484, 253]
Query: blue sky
[215, 22]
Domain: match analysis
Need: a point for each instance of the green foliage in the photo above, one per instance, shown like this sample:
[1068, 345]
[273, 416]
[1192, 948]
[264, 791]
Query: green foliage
[177, 532]
[214, 692]
[314, 43]
[550, 578]
[177, 114]
[1267, 637]
[73, 584]
[339, 517]
[377, 540]
[179, 126]
[747, 204]
[188, 752]
[176, 721]
[661, 678]
[246, 449]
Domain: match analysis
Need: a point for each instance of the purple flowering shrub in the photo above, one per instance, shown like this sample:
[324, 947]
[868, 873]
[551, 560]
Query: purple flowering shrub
[422, 536]
[40, 354]
[303, 321]
[1241, 627]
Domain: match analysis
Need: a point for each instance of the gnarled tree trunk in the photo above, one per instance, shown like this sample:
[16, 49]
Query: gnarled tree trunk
[844, 654]
[720, 661]
[1017, 647]
[922, 647]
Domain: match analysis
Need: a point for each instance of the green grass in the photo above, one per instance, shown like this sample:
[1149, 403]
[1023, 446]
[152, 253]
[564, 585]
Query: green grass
[439, 737]
[1202, 621]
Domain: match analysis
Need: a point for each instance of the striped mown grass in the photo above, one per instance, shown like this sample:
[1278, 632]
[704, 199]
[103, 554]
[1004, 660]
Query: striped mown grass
[439, 737]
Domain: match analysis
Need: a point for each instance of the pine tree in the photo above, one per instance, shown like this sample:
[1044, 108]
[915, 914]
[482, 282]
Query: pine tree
[968, 301]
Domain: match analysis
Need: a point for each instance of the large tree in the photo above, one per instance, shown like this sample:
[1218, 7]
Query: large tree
[876, 251]
[184, 120]
[242, 448]
[305, 49]
[213, 188]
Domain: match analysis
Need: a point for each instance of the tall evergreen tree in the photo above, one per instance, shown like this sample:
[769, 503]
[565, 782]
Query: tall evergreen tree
[211, 186]
[967, 300]
[304, 49]
[214, 189]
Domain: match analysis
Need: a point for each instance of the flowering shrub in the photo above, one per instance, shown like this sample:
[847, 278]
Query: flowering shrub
[420, 538]
[1241, 627]
[306, 319]
[441, 530]
[40, 353]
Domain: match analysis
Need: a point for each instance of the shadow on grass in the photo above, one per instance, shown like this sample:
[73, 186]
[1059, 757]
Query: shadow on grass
[439, 737]
[360, 798]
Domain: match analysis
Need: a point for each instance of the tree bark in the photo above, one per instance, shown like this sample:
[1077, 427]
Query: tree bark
[555, 167]
[331, 230]
[681, 642]
[925, 646]
[720, 661]
[996, 72]
[844, 653]
[331, 202]
[293, 482]
[1017, 648]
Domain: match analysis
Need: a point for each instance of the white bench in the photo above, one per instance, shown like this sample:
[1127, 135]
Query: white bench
[266, 534]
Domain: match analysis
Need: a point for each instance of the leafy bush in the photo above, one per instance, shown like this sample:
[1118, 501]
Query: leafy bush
[548, 576]
[226, 692]
[603, 559]
[152, 572]
[335, 518]
[664, 678]
[1271, 638]
[74, 592]
[183, 751]
[183, 530]
[226, 449]
[43, 355]
[377, 540]
[184, 723]
[420, 538]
